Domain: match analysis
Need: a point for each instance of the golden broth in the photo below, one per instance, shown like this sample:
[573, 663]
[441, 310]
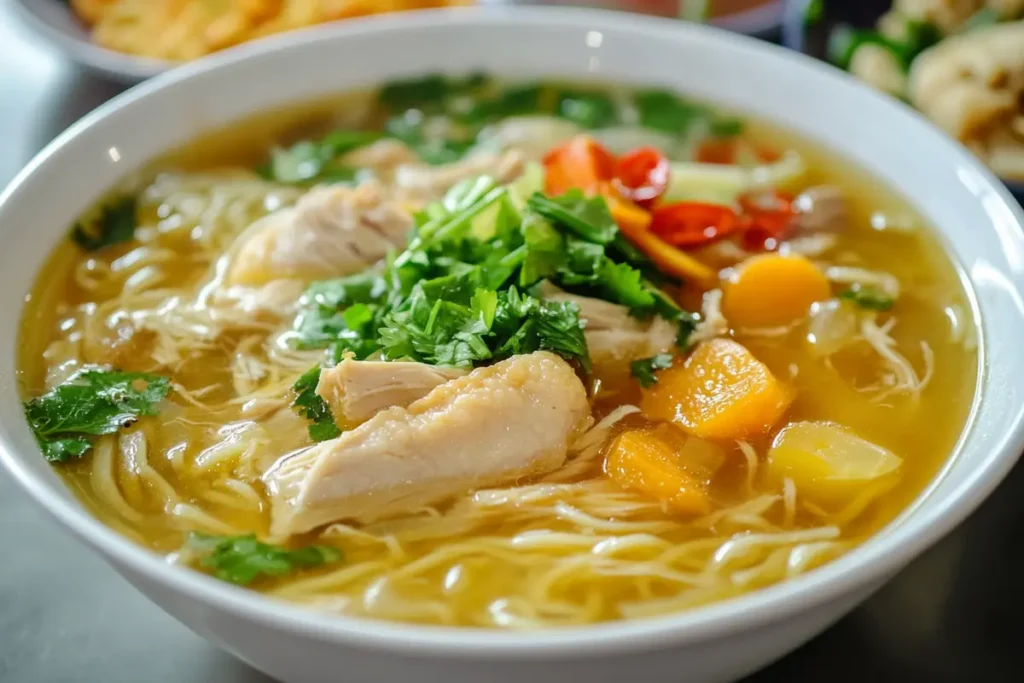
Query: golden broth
[198, 465]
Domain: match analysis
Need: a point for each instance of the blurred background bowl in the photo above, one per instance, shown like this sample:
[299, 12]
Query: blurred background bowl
[812, 38]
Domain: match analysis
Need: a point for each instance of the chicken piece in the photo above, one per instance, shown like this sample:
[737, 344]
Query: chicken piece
[332, 231]
[356, 390]
[821, 208]
[972, 85]
[614, 337]
[382, 155]
[513, 419]
[420, 183]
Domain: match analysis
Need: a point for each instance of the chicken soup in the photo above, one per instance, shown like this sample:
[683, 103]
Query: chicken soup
[511, 355]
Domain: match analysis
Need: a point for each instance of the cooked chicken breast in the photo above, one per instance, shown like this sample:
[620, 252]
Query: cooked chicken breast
[356, 390]
[613, 336]
[332, 231]
[513, 419]
[421, 183]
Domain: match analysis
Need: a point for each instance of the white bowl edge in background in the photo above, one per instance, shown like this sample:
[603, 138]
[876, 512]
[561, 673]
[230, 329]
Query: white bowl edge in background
[54, 21]
[710, 644]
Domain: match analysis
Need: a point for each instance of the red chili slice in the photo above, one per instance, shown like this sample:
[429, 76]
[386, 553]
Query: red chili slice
[767, 219]
[691, 224]
[642, 175]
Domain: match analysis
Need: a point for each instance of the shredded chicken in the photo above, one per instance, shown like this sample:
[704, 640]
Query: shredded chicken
[849, 276]
[512, 419]
[421, 183]
[356, 390]
[332, 231]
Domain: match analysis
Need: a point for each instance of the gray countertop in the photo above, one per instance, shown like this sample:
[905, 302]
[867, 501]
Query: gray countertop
[65, 616]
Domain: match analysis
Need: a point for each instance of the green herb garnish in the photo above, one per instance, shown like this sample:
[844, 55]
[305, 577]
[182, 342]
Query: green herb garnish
[868, 298]
[243, 559]
[587, 109]
[91, 403]
[644, 370]
[115, 224]
[316, 161]
[310, 406]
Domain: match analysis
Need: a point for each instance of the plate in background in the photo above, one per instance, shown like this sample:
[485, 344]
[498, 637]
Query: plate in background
[56, 23]
[813, 40]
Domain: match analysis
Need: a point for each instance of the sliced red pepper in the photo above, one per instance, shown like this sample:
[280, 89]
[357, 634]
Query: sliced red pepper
[579, 163]
[642, 175]
[691, 224]
[767, 219]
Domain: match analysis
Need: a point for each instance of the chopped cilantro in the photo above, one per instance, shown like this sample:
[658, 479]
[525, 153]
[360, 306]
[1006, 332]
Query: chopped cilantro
[310, 406]
[664, 111]
[587, 109]
[243, 559]
[587, 217]
[91, 403]
[644, 369]
[868, 298]
[116, 223]
[316, 161]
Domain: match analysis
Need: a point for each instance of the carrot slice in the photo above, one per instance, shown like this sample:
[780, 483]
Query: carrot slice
[579, 163]
[771, 290]
[634, 221]
[720, 392]
[640, 461]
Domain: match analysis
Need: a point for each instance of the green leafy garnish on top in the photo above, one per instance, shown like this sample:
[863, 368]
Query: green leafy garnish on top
[467, 291]
[91, 403]
[310, 406]
[644, 370]
[243, 559]
[868, 298]
[316, 161]
[115, 223]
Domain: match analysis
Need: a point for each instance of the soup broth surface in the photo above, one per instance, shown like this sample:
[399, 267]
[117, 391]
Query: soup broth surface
[886, 357]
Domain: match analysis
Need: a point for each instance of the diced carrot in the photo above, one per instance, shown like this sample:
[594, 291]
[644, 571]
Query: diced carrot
[580, 163]
[771, 290]
[717, 151]
[640, 461]
[720, 392]
[634, 221]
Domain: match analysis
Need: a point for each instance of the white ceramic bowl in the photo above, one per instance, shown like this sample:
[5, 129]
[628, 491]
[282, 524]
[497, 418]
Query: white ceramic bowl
[971, 208]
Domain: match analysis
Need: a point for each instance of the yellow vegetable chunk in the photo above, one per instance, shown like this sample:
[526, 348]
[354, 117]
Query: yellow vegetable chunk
[720, 392]
[772, 290]
[828, 463]
[640, 461]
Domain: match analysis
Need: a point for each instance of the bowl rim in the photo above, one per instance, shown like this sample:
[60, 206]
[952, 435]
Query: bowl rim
[862, 568]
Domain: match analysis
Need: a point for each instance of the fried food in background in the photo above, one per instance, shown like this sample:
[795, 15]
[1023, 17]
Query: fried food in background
[180, 30]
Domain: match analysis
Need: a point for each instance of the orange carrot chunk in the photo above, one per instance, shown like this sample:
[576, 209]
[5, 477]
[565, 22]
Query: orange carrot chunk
[640, 461]
[772, 290]
[720, 392]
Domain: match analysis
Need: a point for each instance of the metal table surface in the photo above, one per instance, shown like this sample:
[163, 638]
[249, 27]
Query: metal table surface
[65, 616]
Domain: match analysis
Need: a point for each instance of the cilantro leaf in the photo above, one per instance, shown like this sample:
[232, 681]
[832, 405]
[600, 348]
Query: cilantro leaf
[243, 559]
[644, 369]
[116, 223]
[663, 111]
[588, 218]
[545, 250]
[587, 109]
[868, 298]
[91, 402]
[310, 406]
